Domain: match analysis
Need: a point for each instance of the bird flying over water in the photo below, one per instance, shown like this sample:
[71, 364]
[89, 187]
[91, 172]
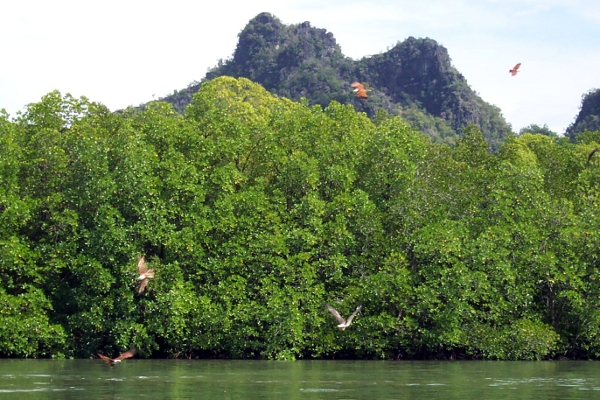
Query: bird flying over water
[360, 90]
[344, 323]
[514, 71]
[112, 361]
[144, 272]
[592, 153]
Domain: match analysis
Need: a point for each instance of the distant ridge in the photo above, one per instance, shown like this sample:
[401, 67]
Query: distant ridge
[588, 118]
[414, 79]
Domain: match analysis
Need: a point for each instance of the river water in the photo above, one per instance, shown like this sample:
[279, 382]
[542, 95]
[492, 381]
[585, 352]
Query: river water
[217, 379]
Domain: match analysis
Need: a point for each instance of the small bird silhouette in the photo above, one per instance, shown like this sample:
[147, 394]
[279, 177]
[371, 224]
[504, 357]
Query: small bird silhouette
[592, 153]
[144, 272]
[360, 90]
[514, 71]
[344, 323]
[112, 361]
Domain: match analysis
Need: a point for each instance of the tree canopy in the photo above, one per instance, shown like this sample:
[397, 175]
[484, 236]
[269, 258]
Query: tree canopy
[255, 210]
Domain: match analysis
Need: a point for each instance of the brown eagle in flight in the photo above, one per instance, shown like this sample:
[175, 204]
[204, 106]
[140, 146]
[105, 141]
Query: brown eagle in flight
[360, 90]
[144, 272]
[514, 71]
[112, 361]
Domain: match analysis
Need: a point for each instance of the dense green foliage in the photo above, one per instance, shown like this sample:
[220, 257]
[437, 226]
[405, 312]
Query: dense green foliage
[542, 130]
[255, 210]
[588, 118]
[414, 79]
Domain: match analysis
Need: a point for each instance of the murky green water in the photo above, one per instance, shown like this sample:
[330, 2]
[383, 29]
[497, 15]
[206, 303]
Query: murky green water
[199, 379]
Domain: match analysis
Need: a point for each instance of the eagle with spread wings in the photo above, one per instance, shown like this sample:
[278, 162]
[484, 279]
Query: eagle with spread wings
[144, 272]
[344, 323]
[112, 361]
[360, 90]
[514, 71]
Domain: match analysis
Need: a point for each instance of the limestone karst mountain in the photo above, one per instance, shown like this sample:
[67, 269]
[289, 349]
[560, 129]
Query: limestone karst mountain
[414, 79]
[588, 118]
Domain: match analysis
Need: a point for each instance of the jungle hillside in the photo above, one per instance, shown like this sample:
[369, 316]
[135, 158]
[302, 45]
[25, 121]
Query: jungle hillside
[588, 118]
[414, 79]
[255, 210]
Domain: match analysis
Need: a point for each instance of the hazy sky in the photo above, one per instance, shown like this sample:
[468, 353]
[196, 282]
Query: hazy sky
[123, 52]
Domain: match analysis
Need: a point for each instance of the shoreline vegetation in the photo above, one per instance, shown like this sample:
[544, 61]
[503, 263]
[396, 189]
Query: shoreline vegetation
[254, 211]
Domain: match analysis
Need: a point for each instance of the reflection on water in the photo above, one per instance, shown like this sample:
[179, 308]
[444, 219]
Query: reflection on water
[216, 379]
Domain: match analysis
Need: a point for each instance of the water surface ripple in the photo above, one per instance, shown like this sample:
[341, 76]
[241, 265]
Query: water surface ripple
[219, 379]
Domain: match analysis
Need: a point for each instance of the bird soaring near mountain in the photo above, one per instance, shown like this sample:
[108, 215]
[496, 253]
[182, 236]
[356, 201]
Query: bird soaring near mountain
[112, 361]
[344, 323]
[144, 272]
[514, 71]
[360, 90]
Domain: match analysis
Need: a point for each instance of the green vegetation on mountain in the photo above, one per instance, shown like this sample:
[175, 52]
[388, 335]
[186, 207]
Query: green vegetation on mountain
[588, 118]
[542, 130]
[415, 79]
[254, 210]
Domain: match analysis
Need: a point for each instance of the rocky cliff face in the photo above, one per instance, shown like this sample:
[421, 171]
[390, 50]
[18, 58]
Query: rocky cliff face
[414, 79]
[588, 118]
[419, 72]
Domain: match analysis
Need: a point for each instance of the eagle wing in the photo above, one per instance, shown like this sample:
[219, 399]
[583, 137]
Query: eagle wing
[357, 85]
[142, 267]
[351, 317]
[514, 71]
[105, 359]
[128, 354]
[335, 313]
[592, 153]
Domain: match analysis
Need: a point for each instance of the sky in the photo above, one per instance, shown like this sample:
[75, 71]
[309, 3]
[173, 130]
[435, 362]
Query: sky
[125, 52]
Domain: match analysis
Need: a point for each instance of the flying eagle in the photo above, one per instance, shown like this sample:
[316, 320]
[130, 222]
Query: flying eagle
[144, 272]
[360, 90]
[514, 71]
[592, 153]
[344, 323]
[112, 361]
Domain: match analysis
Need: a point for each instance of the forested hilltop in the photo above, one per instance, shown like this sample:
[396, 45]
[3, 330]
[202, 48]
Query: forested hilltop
[588, 118]
[414, 79]
[255, 210]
